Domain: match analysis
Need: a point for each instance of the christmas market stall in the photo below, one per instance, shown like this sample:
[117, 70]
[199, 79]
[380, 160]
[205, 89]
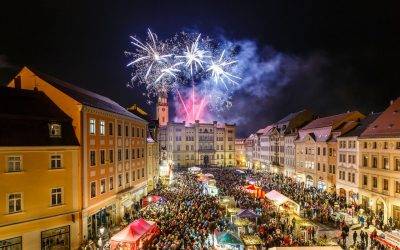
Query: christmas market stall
[251, 242]
[152, 199]
[255, 190]
[228, 241]
[281, 201]
[135, 236]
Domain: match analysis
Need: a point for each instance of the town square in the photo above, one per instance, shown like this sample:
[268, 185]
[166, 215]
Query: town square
[199, 125]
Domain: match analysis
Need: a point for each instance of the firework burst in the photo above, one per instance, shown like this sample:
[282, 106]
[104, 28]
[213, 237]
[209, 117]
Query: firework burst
[220, 70]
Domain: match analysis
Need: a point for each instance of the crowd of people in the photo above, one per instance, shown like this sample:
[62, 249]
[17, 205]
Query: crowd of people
[188, 218]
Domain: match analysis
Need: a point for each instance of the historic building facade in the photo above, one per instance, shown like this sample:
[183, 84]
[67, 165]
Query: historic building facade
[240, 152]
[112, 153]
[348, 160]
[199, 143]
[316, 149]
[379, 180]
[39, 173]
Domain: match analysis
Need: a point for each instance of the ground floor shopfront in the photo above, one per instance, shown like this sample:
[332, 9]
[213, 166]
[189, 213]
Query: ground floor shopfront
[58, 232]
[388, 206]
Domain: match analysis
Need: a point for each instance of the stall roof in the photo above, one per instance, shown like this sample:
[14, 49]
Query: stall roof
[277, 197]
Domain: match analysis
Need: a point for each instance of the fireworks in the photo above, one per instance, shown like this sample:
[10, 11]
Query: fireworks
[219, 70]
[165, 66]
[194, 56]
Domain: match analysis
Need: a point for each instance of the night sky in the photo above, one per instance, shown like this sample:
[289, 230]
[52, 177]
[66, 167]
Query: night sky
[346, 53]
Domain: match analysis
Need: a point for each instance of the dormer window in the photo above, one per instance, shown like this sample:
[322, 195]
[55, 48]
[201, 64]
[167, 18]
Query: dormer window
[55, 130]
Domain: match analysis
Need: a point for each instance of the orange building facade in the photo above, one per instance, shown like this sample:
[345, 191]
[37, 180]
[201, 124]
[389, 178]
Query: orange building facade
[112, 152]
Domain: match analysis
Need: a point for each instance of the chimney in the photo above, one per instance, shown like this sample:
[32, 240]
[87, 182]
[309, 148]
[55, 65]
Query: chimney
[17, 82]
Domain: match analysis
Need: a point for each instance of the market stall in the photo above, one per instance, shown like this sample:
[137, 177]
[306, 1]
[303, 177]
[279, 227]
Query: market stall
[281, 201]
[255, 190]
[152, 199]
[249, 214]
[194, 170]
[135, 236]
[390, 240]
[251, 242]
[228, 240]
[242, 225]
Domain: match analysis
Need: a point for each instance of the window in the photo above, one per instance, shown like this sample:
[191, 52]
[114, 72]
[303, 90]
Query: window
[142, 152]
[385, 145]
[398, 187]
[142, 172]
[374, 182]
[110, 128]
[55, 130]
[142, 133]
[126, 130]
[365, 145]
[333, 169]
[365, 161]
[111, 183]
[323, 151]
[102, 127]
[102, 156]
[374, 162]
[120, 180]
[92, 126]
[119, 130]
[318, 166]
[133, 175]
[56, 196]
[14, 203]
[55, 161]
[137, 132]
[385, 184]
[126, 154]
[133, 153]
[119, 154]
[349, 177]
[353, 177]
[127, 177]
[374, 145]
[398, 145]
[385, 163]
[138, 153]
[323, 167]
[92, 158]
[365, 180]
[138, 174]
[14, 163]
[397, 164]
[111, 155]
[92, 189]
[133, 131]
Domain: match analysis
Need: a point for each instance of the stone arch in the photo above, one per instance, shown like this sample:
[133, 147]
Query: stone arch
[380, 204]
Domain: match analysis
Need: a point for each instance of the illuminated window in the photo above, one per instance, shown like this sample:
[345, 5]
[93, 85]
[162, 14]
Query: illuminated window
[102, 127]
[55, 130]
[102, 156]
[111, 183]
[92, 158]
[92, 126]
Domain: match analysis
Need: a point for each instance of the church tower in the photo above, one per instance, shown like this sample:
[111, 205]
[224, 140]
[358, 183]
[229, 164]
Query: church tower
[162, 110]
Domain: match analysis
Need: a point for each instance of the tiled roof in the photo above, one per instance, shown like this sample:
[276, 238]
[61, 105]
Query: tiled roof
[327, 121]
[361, 126]
[387, 124]
[266, 129]
[86, 97]
[25, 116]
[290, 117]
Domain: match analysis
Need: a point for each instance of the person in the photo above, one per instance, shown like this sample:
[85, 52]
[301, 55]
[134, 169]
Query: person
[354, 237]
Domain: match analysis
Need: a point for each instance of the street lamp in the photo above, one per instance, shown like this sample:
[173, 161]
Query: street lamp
[100, 242]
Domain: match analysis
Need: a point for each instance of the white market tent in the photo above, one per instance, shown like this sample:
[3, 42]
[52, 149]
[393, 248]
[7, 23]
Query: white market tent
[280, 199]
[195, 169]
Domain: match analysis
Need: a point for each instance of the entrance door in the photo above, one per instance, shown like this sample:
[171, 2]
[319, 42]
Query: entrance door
[206, 160]
[380, 209]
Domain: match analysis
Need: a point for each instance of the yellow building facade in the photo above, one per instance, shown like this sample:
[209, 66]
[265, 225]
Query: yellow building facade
[39, 174]
[112, 152]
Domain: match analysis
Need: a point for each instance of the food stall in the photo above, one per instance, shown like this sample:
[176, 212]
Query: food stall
[251, 242]
[228, 241]
[135, 236]
[283, 202]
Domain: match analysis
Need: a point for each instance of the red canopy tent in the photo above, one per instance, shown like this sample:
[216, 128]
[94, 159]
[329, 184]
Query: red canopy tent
[151, 199]
[135, 236]
[257, 191]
